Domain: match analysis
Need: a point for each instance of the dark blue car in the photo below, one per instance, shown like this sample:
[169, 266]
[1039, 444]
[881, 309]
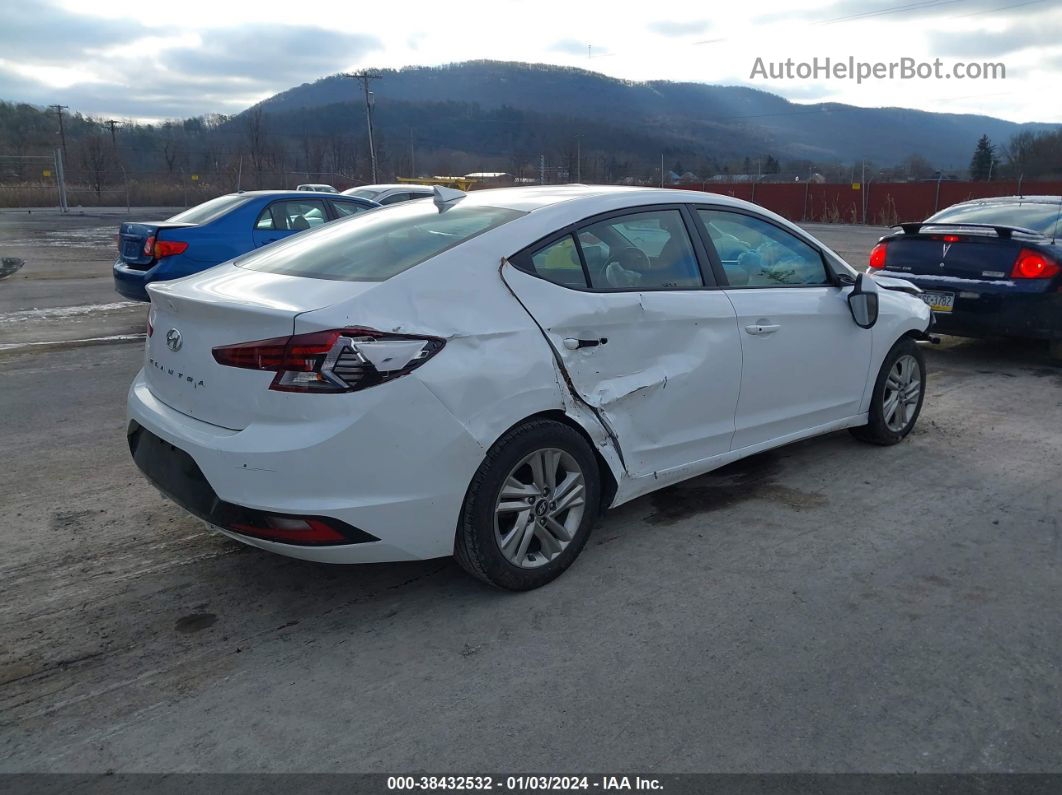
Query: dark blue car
[218, 230]
[987, 267]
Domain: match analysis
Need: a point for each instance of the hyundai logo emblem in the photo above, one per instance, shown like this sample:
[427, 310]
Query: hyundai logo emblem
[173, 340]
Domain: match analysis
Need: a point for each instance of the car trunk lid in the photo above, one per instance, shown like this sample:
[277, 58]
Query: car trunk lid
[133, 236]
[224, 306]
[982, 257]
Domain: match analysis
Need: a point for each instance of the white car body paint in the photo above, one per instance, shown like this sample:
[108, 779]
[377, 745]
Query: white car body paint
[679, 389]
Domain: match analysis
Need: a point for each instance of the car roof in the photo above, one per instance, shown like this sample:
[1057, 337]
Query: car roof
[295, 194]
[1012, 200]
[531, 198]
[394, 186]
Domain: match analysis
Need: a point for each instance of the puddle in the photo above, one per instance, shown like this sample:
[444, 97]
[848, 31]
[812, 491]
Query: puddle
[749, 478]
[196, 622]
[93, 236]
[65, 311]
[9, 265]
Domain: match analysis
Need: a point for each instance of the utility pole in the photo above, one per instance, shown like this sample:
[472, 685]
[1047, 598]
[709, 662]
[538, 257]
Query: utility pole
[365, 77]
[62, 135]
[112, 123]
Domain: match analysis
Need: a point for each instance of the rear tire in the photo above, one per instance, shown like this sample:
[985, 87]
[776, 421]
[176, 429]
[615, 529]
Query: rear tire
[899, 391]
[530, 506]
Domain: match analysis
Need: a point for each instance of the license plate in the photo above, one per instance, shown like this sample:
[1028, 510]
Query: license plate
[939, 302]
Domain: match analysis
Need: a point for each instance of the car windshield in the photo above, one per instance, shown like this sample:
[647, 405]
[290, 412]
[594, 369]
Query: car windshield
[1038, 216]
[209, 210]
[376, 245]
[363, 193]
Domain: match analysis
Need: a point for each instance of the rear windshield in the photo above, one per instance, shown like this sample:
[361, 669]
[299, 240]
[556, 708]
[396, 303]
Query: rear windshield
[376, 245]
[209, 210]
[364, 193]
[1039, 217]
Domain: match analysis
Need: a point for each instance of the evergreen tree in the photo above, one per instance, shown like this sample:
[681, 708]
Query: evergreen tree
[983, 161]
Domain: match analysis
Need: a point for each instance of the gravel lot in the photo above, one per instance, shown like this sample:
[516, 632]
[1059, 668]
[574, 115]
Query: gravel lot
[826, 607]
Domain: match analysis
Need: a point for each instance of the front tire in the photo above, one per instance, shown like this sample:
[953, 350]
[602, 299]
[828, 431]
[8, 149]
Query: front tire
[530, 507]
[898, 394]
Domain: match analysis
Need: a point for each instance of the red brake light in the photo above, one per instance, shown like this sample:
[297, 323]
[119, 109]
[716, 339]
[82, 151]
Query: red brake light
[149, 246]
[339, 360]
[1032, 264]
[293, 530]
[951, 238]
[877, 256]
[167, 248]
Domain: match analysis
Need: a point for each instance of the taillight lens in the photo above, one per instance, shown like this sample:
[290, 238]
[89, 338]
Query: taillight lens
[167, 248]
[1033, 265]
[877, 256]
[292, 530]
[149, 246]
[338, 360]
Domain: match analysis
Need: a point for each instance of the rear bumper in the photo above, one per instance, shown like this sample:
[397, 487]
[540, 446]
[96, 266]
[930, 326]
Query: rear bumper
[983, 308]
[397, 486]
[132, 282]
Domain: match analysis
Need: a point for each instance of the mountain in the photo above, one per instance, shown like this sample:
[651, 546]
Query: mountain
[483, 103]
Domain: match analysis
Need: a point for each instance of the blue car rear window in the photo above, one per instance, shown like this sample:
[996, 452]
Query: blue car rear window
[1038, 216]
[376, 245]
[209, 210]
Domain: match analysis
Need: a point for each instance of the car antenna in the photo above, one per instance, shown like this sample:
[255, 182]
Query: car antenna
[444, 198]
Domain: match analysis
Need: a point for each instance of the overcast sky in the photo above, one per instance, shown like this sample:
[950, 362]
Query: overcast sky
[151, 59]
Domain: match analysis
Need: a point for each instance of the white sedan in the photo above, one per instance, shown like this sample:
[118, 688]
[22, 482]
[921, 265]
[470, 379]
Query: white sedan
[482, 375]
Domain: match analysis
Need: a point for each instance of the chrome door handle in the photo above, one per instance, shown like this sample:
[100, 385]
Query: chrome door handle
[757, 329]
[573, 344]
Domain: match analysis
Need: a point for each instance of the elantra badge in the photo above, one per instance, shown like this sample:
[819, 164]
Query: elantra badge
[174, 340]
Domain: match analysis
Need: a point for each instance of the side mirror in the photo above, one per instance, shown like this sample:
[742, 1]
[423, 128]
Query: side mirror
[863, 301]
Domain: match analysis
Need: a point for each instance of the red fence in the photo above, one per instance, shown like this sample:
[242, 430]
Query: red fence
[881, 203]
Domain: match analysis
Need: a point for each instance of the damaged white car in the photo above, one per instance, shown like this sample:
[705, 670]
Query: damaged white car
[482, 375]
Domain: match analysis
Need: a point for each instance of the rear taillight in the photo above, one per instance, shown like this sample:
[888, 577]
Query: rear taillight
[1033, 265]
[149, 246]
[292, 530]
[877, 256]
[167, 248]
[339, 360]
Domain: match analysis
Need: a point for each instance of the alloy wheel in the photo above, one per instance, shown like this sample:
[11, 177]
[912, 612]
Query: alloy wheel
[903, 389]
[539, 508]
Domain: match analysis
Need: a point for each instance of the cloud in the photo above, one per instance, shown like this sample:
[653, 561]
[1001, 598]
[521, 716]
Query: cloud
[102, 66]
[851, 11]
[1044, 32]
[671, 28]
[44, 32]
[568, 47]
[266, 54]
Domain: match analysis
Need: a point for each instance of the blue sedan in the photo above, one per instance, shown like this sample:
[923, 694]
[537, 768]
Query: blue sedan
[218, 230]
[987, 267]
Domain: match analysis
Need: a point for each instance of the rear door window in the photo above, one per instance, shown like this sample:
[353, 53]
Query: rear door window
[559, 263]
[650, 249]
[293, 216]
[345, 209]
